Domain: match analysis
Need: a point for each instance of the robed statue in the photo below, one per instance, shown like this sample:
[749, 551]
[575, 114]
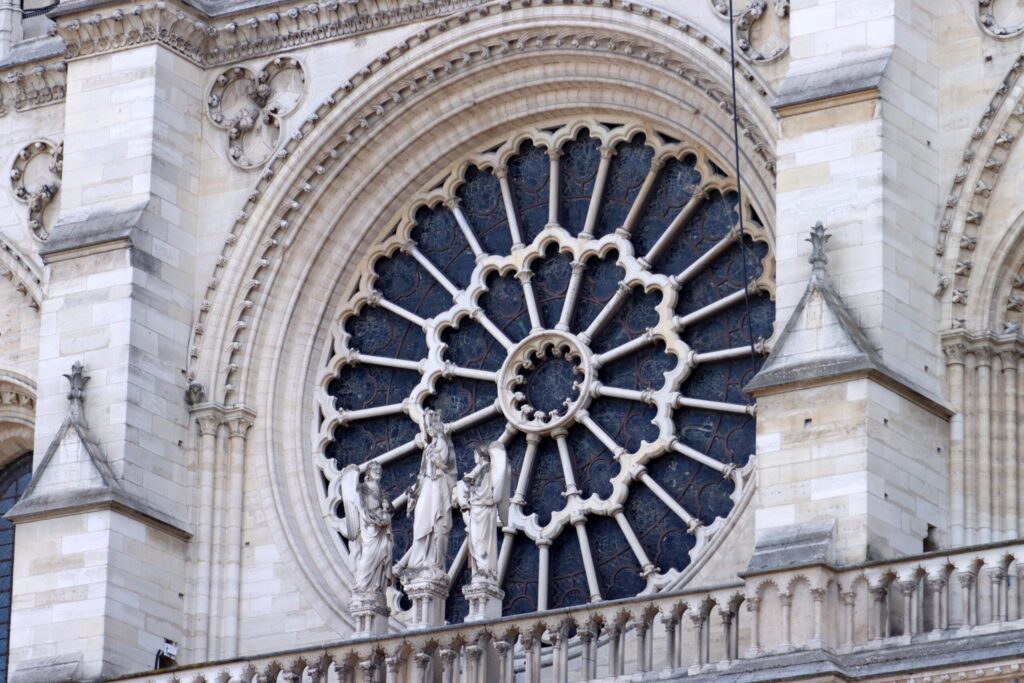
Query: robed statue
[483, 497]
[430, 501]
[368, 528]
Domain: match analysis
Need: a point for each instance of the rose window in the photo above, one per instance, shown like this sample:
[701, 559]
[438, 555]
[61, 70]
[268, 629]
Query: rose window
[580, 293]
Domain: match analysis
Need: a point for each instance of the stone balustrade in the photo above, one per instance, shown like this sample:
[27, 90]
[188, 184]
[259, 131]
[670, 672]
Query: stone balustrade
[954, 599]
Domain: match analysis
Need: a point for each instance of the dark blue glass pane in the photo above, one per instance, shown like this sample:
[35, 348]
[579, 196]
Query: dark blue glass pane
[484, 208]
[577, 172]
[471, 346]
[676, 184]
[544, 495]
[662, 534]
[456, 398]
[627, 422]
[712, 221]
[439, 238]
[618, 571]
[551, 276]
[528, 175]
[634, 317]
[723, 276]
[404, 282]
[361, 440]
[629, 168]
[642, 370]
[592, 464]
[520, 584]
[728, 328]
[13, 481]
[369, 386]
[377, 332]
[568, 577]
[599, 282]
[505, 305]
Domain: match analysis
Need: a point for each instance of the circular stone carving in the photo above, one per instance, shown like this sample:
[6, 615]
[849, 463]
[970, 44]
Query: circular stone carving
[544, 381]
[603, 334]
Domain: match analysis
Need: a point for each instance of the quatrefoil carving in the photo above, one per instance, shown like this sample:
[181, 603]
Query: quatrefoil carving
[35, 180]
[251, 106]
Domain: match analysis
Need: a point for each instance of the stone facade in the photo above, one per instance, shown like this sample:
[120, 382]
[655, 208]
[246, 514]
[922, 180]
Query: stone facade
[204, 194]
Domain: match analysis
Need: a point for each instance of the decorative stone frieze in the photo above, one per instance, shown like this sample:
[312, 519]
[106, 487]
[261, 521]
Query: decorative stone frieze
[21, 272]
[251, 107]
[35, 180]
[761, 26]
[32, 85]
[209, 41]
[1000, 18]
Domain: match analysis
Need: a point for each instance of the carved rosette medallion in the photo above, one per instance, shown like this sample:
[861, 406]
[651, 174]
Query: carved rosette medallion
[761, 26]
[251, 107]
[580, 293]
[35, 181]
[1000, 18]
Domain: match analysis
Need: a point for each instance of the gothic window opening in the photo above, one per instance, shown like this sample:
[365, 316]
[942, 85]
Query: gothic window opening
[14, 480]
[580, 294]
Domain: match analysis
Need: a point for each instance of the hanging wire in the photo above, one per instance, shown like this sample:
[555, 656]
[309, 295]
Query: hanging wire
[739, 188]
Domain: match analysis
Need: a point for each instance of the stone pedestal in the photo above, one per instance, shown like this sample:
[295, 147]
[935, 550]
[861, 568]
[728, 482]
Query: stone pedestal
[428, 595]
[484, 598]
[370, 612]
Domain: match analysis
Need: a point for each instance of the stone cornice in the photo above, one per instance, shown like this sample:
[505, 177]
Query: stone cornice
[36, 78]
[88, 27]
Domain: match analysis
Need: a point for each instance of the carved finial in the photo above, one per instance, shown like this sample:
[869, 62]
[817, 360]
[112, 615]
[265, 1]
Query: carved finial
[818, 239]
[77, 381]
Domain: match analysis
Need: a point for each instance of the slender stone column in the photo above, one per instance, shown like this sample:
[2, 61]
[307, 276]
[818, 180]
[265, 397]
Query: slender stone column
[849, 599]
[238, 428]
[209, 422]
[955, 355]
[754, 607]
[1011, 452]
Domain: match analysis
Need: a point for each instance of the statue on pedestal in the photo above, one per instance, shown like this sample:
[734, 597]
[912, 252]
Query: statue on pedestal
[483, 497]
[368, 528]
[430, 503]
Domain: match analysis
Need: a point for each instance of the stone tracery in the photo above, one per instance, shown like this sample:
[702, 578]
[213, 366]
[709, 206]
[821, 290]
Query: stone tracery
[575, 293]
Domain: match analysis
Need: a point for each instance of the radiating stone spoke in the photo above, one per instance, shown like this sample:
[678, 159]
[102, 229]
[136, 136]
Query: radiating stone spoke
[646, 396]
[510, 208]
[623, 350]
[647, 567]
[606, 313]
[588, 558]
[379, 300]
[571, 294]
[681, 219]
[470, 373]
[386, 362]
[392, 455]
[492, 329]
[640, 202]
[723, 354]
[681, 401]
[459, 561]
[705, 259]
[473, 418]
[641, 475]
[566, 462]
[467, 231]
[681, 322]
[349, 416]
[435, 273]
[601, 435]
[697, 456]
[525, 474]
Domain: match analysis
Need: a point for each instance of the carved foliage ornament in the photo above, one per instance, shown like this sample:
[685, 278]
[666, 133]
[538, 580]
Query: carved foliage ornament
[35, 180]
[599, 335]
[250, 106]
[1001, 18]
[762, 28]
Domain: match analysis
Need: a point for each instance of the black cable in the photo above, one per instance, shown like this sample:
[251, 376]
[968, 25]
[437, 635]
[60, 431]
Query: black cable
[739, 187]
[29, 13]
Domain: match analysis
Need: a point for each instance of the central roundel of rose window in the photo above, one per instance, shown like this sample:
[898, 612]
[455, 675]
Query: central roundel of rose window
[580, 293]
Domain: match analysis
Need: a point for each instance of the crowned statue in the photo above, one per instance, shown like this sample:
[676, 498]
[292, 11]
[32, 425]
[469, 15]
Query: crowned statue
[430, 503]
[482, 495]
[368, 529]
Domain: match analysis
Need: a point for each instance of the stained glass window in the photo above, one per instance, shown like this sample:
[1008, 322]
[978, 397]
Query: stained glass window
[13, 481]
[603, 335]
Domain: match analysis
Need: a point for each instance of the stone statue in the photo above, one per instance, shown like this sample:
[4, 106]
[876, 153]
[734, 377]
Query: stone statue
[430, 502]
[483, 497]
[368, 520]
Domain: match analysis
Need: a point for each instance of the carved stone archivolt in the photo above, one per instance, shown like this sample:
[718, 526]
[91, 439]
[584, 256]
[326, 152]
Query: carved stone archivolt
[1000, 18]
[762, 28]
[250, 106]
[35, 181]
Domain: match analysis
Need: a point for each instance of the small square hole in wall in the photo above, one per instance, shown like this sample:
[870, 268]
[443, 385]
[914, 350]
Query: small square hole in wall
[807, 423]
